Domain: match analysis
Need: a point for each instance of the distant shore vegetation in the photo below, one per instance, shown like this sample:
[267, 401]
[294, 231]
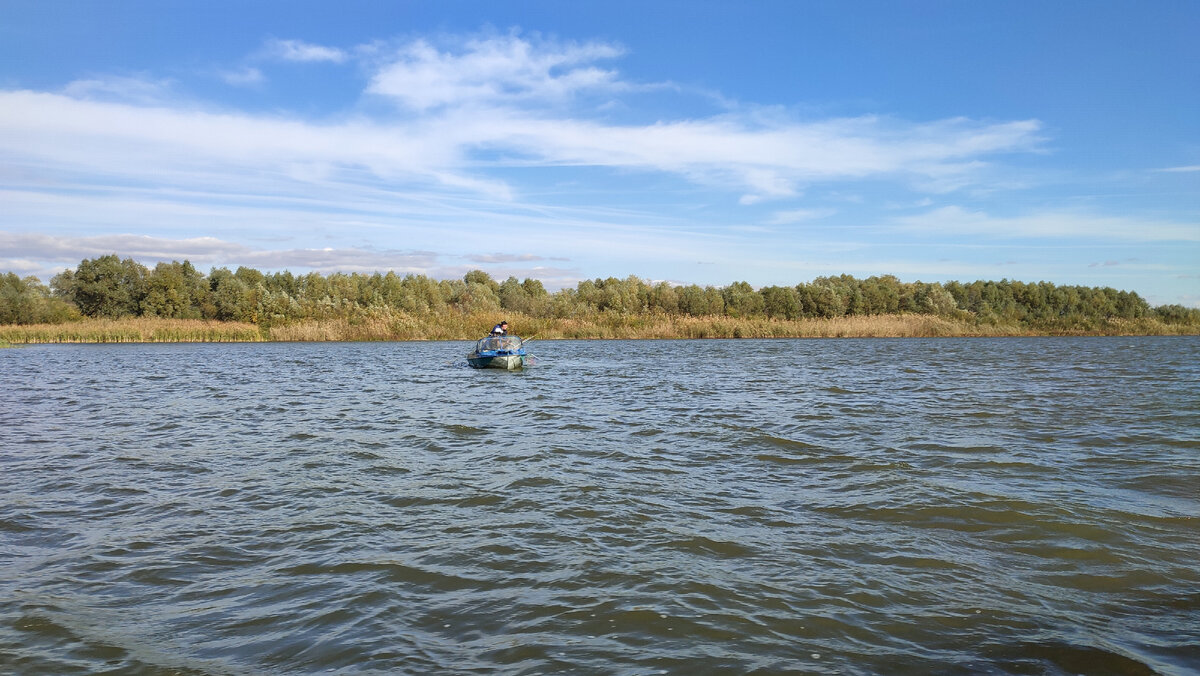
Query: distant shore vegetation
[109, 299]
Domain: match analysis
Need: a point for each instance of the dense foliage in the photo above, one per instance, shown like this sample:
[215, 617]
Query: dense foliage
[28, 301]
[109, 287]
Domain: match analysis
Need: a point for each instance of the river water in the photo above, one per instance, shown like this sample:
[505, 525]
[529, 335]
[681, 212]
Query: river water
[952, 506]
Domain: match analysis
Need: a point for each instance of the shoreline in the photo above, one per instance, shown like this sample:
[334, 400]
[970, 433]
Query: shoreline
[618, 327]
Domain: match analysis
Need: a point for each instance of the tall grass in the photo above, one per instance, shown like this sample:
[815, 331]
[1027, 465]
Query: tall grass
[139, 330]
[457, 326]
[391, 325]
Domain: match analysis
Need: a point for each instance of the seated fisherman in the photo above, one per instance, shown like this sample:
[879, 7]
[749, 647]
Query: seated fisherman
[496, 336]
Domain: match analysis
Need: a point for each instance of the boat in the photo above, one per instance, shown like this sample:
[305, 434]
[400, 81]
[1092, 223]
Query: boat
[498, 352]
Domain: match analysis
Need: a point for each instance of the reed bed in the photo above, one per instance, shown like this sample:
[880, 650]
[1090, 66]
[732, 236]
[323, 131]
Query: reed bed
[663, 327]
[669, 327]
[139, 330]
[398, 326]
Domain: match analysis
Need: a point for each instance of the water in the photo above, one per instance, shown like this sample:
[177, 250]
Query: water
[810, 506]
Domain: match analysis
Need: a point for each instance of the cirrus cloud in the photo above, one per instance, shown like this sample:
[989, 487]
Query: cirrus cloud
[1050, 224]
[491, 71]
[467, 122]
[304, 52]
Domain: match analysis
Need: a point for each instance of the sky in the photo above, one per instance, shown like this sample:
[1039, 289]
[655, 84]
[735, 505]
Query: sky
[693, 142]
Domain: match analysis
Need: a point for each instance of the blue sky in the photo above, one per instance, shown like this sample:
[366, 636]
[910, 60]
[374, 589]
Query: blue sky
[693, 142]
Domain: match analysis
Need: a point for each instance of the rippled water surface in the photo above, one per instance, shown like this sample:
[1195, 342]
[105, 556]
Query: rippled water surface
[716, 507]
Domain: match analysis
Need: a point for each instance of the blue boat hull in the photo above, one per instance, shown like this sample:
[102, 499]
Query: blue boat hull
[498, 352]
[508, 362]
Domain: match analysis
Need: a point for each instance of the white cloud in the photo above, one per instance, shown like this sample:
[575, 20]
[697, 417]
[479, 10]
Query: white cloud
[953, 220]
[504, 258]
[209, 251]
[124, 154]
[1186, 169]
[100, 141]
[130, 90]
[244, 77]
[736, 153]
[24, 267]
[492, 71]
[192, 148]
[46, 255]
[73, 249]
[297, 50]
[799, 215]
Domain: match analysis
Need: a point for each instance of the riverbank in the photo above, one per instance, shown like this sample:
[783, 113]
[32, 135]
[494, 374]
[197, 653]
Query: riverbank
[400, 327]
[139, 330]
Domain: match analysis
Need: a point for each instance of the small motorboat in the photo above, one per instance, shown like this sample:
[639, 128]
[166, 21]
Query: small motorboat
[498, 352]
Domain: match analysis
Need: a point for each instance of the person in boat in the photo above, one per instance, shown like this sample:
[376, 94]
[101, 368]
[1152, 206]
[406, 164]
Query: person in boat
[498, 331]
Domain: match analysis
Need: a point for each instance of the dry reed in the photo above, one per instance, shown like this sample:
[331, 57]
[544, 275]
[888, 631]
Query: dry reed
[394, 326]
[137, 330]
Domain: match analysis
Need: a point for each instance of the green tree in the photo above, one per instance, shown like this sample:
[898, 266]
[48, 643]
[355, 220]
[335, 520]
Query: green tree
[664, 298]
[741, 300]
[423, 294]
[819, 301]
[781, 302]
[28, 301]
[316, 296]
[513, 297]
[533, 288]
[232, 297]
[880, 295]
[1129, 305]
[283, 282]
[933, 299]
[1178, 314]
[104, 287]
[175, 290]
[481, 277]
[470, 297]
[700, 301]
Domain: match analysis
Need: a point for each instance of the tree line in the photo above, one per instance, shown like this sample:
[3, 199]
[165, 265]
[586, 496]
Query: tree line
[111, 287]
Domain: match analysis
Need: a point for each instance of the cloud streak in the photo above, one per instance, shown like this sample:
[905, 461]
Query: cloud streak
[953, 220]
[799, 216]
[102, 140]
[468, 119]
[493, 71]
[45, 255]
[304, 52]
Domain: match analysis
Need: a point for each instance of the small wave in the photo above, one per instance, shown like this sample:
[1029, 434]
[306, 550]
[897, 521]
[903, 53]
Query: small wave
[10, 526]
[648, 432]
[578, 427]
[389, 470]
[783, 442]
[393, 571]
[1066, 658]
[533, 482]
[707, 546]
[481, 500]
[746, 510]
[464, 430]
[784, 460]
